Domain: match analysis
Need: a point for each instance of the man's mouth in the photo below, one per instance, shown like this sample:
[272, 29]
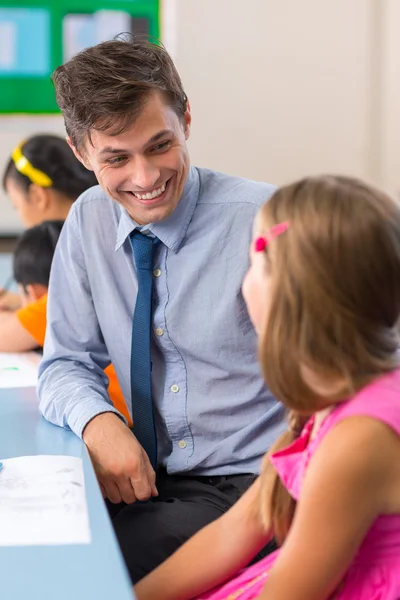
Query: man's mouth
[151, 195]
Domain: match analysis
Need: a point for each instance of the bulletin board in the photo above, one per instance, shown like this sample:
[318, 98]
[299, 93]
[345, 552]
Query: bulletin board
[35, 38]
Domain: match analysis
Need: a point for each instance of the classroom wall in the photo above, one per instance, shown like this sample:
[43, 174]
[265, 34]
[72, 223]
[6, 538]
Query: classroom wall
[390, 106]
[279, 88]
[289, 94]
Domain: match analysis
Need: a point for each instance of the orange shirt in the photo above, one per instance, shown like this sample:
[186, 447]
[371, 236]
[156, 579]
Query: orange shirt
[33, 319]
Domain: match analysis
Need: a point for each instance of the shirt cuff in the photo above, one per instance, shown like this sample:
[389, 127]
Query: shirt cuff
[81, 415]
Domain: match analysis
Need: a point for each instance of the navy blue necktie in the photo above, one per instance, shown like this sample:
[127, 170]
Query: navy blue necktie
[142, 405]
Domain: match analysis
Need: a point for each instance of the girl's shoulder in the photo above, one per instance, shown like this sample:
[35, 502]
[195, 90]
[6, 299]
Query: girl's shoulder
[379, 400]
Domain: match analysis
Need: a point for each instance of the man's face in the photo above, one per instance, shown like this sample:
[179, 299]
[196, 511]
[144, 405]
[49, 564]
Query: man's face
[144, 168]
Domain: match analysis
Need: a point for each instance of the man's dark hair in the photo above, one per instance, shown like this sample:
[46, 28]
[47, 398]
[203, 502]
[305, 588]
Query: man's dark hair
[105, 87]
[34, 253]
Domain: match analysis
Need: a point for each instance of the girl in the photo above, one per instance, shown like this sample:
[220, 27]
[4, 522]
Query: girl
[323, 292]
[42, 179]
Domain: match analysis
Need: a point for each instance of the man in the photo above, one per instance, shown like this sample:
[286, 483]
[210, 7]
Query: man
[160, 244]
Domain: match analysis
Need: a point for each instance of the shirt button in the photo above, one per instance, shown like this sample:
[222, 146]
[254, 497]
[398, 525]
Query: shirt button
[159, 331]
[175, 389]
[182, 444]
[157, 272]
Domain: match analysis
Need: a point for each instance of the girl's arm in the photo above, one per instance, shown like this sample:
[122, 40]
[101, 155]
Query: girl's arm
[348, 483]
[9, 300]
[211, 556]
[13, 336]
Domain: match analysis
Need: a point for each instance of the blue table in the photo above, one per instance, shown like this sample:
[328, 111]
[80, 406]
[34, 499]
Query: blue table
[82, 572]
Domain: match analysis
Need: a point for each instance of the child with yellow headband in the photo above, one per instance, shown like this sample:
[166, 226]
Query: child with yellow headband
[43, 178]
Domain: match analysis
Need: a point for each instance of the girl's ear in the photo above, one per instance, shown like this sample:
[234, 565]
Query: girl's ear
[39, 198]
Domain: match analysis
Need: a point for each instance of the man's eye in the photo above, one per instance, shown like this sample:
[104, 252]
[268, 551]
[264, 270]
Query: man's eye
[162, 146]
[116, 160]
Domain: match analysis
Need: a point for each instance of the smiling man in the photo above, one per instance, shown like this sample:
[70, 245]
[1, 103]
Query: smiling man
[147, 274]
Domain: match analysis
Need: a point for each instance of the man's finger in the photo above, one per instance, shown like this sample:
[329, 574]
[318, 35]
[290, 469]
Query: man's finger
[126, 490]
[142, 488]
[151, 476]
[112, 492]
[141, 483]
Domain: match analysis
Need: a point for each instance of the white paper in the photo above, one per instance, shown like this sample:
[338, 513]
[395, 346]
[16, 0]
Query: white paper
[8, 45]
[43, 501]
[110, 23]
[83, 30]
[18, 370]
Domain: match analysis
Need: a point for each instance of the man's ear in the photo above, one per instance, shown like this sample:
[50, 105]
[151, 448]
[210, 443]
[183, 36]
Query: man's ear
[79, 155]
[188, 119]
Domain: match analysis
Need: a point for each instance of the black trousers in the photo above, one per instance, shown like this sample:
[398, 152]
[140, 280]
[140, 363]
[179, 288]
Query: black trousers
[149, 532]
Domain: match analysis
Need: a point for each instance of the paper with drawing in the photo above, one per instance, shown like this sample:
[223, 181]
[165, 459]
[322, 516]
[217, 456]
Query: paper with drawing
[18, 370]
[43, 501]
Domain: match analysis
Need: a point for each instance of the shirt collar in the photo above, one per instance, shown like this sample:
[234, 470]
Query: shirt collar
[172, 230]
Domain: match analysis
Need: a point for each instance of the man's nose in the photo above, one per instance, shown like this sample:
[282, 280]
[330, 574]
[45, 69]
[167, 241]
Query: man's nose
[145, 174]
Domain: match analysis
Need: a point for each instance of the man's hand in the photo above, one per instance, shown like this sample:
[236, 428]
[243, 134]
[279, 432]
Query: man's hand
[122, 466]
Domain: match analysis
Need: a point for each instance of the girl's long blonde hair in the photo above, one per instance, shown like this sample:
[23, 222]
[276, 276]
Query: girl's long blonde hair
[333, 304]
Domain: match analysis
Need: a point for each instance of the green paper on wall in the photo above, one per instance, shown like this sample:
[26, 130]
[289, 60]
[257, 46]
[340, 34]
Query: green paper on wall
[37, 38]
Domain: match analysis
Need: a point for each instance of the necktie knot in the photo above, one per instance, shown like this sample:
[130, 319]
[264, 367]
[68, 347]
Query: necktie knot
[143, 246]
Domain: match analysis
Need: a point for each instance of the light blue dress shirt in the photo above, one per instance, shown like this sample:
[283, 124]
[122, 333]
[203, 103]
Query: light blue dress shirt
[213, 413]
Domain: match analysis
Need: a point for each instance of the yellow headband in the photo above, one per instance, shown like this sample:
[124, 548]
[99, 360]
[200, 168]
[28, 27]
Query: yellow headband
[24, 167]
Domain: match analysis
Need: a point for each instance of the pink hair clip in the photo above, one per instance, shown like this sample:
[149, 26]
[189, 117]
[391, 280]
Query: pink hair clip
[262, 242]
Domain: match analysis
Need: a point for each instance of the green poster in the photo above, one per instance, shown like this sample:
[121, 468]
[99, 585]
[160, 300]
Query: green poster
[37, 38]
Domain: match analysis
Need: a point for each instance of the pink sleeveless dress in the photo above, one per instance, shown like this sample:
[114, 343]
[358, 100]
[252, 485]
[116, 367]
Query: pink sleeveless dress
[375, 571]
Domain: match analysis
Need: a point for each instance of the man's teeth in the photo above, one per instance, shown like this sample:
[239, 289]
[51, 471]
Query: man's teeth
[153, 194]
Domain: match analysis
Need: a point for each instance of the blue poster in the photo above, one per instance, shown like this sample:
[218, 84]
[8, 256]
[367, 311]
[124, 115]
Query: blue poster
[24, 42]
